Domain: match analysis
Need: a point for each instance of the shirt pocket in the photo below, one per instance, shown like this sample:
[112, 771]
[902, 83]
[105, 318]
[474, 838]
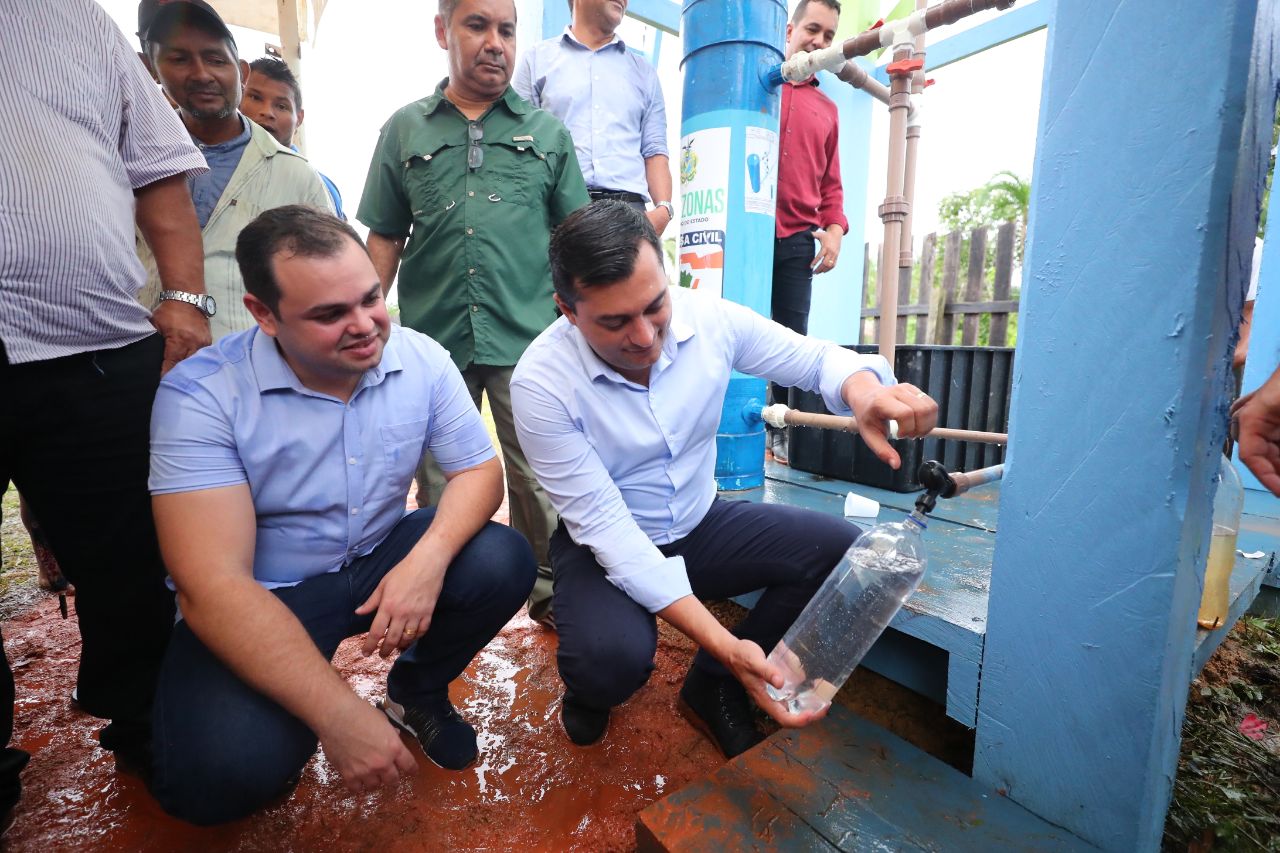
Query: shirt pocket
[521, 173]
[425, 180]
[402, 448]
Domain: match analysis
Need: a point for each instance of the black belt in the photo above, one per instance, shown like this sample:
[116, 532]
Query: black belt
[618, 195]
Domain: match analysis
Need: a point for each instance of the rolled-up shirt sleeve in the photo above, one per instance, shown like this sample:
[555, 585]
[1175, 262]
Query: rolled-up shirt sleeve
[769, 350]
[653, 126]
[590, 505]
[153, 143]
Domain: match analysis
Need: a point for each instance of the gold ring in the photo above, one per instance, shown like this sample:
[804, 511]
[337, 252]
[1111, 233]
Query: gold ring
[921, 394]
[409, 632]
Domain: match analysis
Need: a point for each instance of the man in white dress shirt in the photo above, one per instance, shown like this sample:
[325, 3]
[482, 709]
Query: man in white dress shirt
[616, 406]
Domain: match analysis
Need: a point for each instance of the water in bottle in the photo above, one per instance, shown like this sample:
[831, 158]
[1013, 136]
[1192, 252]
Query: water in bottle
[849, 611]
[1228, 502]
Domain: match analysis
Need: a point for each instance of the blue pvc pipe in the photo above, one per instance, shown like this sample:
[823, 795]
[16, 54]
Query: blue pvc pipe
[730, 48]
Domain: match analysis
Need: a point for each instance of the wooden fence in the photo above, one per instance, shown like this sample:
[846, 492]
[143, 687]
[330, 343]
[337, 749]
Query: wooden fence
[943, 311]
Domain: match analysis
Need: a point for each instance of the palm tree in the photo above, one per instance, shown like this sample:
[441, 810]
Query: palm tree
[1010, 198]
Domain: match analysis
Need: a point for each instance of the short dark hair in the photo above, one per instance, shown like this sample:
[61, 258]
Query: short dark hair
[597, 245]
[278, 70]
[165, 21]
[798, 14]
[297, 229]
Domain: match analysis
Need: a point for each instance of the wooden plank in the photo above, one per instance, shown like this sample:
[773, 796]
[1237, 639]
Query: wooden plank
[987, 307]
[727, 810]
[926, 287]
[904, 294]
[1004, 276]
[842, 784]
[900, 797]
[945, 331]
[974, 281]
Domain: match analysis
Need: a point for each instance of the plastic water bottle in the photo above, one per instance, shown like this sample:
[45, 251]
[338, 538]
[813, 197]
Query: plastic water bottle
[1228, 502]
[849, 611]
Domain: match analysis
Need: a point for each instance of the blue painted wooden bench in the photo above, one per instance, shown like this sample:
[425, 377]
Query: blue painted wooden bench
[934, 645]
[846, 784]
[842, 785]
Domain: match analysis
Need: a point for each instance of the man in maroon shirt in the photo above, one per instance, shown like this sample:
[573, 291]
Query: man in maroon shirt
[810, 198]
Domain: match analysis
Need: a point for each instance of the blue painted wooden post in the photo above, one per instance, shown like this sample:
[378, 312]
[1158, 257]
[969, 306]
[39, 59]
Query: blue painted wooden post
[1144, 178]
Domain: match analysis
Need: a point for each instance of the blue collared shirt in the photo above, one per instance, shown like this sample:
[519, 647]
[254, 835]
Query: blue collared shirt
[222, 158]
[609, 99]
[328, 478]
[630, 468]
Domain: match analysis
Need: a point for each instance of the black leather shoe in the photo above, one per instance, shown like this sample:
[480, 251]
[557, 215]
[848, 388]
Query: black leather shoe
[720, 709]
[583, 725]
[447, 739]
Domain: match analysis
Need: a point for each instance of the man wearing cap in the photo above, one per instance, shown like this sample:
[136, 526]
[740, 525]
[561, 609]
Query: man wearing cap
[91, 149]
[192, 53]
[610, 99]
[462, 193]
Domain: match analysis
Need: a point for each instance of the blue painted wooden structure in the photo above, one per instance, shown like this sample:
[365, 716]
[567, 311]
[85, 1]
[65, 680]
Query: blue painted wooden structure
[1143, 206]
[844, 785]
[1140, 210]
[935, 645]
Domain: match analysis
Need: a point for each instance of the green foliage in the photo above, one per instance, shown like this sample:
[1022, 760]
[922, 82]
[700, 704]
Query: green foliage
[1006, 197]
[1227, 791]
[1271, 175]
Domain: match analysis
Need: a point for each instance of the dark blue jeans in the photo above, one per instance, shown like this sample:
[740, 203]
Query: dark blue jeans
[792, 289]
[223, 750]
[607, 640]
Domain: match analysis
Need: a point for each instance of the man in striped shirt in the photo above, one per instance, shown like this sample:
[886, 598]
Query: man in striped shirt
[89, 149]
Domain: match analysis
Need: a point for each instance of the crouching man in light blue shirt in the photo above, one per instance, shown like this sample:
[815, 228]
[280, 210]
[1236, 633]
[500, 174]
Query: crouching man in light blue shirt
[281, 460]
[616, 405]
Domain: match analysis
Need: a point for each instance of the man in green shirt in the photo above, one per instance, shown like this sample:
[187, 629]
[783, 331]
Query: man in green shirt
[463, 191]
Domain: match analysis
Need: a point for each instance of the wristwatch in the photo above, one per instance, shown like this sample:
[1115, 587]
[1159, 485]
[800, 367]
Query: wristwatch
[671, 211]
[203, 301]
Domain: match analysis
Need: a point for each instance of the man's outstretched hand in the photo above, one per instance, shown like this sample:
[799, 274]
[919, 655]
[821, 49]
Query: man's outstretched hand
[874, 405]
[1257, 424]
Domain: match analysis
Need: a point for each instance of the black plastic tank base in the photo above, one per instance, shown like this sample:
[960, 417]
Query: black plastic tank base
[971, 386]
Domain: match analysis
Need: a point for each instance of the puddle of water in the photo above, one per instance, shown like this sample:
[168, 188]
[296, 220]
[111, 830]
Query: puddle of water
[531, 788]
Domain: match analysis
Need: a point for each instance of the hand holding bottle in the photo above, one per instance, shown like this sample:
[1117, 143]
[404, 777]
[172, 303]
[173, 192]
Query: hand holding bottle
[747, 663]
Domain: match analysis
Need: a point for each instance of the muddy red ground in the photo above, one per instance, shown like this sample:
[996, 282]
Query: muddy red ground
[531, 790]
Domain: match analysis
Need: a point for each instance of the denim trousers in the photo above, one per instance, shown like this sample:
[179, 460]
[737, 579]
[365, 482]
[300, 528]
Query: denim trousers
[607, 640]
[223, 750]
[792, 289]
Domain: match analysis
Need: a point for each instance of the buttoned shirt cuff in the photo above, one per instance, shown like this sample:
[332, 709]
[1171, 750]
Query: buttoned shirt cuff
[838, 364]
[652, 585]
